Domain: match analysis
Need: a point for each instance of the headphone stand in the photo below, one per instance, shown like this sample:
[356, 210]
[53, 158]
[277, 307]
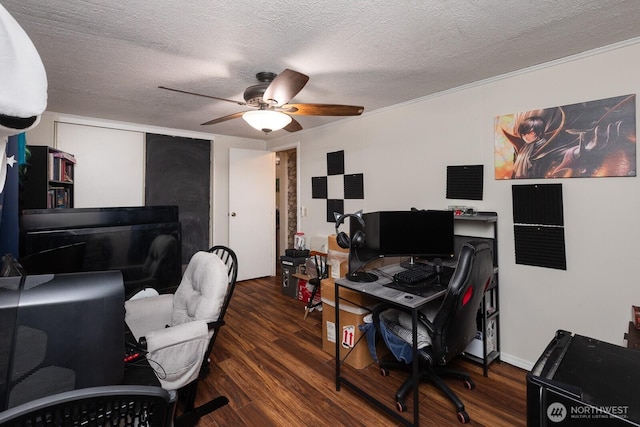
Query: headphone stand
[362, 277]
[359, 276]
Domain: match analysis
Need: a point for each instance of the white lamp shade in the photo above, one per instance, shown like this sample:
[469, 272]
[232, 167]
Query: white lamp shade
[266, 120]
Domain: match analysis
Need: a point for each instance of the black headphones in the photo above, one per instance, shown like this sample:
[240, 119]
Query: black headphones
[343, 240]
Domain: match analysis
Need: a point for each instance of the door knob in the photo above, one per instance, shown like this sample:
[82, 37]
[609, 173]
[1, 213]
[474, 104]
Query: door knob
[233, 214]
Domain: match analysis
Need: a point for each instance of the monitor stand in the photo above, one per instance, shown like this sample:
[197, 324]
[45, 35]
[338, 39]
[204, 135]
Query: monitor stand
[411, 263]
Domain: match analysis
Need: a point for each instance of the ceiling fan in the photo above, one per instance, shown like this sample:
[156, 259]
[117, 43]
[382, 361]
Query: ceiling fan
[269, 102]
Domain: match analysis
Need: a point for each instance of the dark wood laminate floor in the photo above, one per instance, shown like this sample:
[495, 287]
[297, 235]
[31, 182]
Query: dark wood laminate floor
[269, 362]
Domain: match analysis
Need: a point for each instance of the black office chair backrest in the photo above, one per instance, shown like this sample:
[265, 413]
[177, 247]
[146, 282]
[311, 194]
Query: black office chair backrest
[117, 405]
[455, 323]
[231, 261]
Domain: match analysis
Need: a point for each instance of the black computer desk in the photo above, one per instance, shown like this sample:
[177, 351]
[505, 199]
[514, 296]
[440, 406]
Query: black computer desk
[403, 300]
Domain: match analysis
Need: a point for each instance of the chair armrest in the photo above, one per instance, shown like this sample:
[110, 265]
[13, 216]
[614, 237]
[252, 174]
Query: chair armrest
[148, 314]
[176, 353]
[215, 324]
[176, 335]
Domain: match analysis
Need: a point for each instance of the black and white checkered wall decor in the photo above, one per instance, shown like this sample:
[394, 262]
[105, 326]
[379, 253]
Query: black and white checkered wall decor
[351, 186]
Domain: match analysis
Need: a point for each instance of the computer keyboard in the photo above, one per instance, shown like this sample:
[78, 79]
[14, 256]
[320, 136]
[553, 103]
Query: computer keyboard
[413, 276]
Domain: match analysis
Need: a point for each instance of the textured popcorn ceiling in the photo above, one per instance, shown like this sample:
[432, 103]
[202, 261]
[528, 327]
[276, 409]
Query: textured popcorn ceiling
[105, 58]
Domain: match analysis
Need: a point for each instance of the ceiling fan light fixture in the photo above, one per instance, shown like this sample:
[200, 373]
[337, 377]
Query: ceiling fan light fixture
[266, 120]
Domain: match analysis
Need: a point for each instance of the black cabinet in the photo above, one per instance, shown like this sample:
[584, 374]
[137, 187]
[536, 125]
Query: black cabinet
[581, 381]
[48, 179]
[290, 266]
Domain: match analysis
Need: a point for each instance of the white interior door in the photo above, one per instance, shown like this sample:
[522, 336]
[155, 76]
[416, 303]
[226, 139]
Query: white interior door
[252, 206]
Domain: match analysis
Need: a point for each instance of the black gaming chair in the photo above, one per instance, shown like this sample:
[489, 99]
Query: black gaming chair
[447, 330]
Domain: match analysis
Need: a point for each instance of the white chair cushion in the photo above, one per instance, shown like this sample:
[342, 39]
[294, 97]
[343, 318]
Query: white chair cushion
[145, 293]
[144, 315]
[176, 353]
[201, 291]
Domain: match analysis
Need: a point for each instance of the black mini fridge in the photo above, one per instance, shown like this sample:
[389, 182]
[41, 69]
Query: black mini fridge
[581, 381]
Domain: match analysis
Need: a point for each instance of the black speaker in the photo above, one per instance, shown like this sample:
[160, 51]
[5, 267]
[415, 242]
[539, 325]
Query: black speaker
[343, 240]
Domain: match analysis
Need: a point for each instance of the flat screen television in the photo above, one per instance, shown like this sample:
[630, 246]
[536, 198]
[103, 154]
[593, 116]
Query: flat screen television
[415, 234]
[143, 243]
[59, 333]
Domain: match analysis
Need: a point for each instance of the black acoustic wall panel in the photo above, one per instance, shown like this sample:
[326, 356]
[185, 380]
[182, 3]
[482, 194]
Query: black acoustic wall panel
[334, 205]
[319, 187]
[540, 246]
[465, 182]
[354, 186]
[335, 163]
[537, 204]
[539, 225]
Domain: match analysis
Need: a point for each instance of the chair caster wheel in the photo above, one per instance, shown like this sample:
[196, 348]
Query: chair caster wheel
[400, 406]
[469, 384]
[463, 417]
[384, 371]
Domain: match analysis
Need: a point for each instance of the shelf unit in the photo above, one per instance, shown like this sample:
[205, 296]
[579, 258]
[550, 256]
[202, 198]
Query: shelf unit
[48, 181]
[632, 337]
[489, 312]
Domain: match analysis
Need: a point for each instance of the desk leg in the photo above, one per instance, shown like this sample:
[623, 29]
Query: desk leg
[415, 372]
[337, 335]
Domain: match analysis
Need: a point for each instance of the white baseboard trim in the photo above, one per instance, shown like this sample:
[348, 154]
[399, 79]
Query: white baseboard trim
[516, 361]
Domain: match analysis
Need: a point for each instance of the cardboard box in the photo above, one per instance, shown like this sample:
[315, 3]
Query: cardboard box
[337, 258]
[348, 332]
[333, 245]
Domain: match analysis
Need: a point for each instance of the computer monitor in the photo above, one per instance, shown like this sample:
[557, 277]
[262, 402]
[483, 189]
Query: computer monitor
[422, 234]
[59, 333]
[425, 234]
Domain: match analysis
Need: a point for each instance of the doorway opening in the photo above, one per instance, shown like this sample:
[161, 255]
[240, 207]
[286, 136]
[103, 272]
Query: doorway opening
[286, 200]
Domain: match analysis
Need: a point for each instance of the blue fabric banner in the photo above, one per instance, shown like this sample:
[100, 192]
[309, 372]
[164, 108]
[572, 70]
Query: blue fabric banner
[9, 197]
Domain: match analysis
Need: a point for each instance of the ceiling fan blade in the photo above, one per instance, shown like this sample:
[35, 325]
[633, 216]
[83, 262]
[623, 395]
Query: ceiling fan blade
[202, 95]
[224, 119]
[322, 109]
[294, 126]
[285, 86]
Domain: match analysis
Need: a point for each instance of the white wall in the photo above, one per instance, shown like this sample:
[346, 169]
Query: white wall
[114, 136]
[403, 153]
[108, 172]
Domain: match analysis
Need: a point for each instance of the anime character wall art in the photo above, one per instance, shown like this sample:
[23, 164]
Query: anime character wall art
[589, 139]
